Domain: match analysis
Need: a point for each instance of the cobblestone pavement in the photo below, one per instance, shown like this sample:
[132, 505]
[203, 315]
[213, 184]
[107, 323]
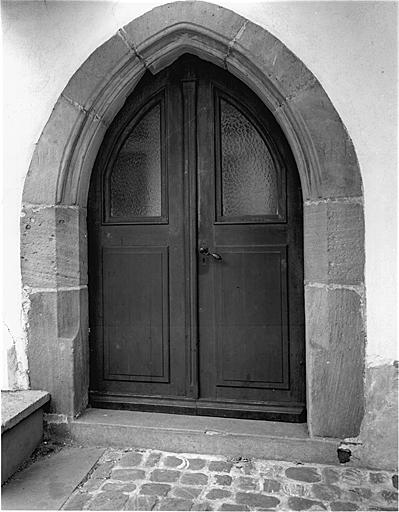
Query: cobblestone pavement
[152, 480]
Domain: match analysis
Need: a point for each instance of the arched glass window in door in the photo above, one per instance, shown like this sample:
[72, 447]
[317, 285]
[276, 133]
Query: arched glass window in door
[134, 185]
[249, 180]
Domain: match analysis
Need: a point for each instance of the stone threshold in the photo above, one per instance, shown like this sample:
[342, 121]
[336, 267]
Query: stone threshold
[200, 434]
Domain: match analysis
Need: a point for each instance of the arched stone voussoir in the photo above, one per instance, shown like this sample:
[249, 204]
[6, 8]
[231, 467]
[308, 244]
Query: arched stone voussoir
[52, 152]
[220, 23]
[273, 60]
[337, 173]
[94, 75]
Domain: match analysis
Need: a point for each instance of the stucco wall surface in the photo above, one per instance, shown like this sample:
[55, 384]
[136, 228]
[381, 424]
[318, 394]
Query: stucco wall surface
[349, 46]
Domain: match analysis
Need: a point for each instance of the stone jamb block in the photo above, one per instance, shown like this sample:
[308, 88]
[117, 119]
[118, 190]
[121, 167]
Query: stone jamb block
[53, 246]
[38, 246]
[58, 347]
[335, 361]
[334, 241]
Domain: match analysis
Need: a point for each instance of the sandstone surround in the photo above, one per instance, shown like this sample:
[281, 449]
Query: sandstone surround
[54, 247]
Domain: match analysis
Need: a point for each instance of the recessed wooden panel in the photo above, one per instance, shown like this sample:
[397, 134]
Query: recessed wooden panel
[251, 317]
[135, 309]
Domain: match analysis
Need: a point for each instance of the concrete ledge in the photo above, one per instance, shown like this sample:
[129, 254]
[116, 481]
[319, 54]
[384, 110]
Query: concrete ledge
[201, 434]
[21, 427]
[17, 405]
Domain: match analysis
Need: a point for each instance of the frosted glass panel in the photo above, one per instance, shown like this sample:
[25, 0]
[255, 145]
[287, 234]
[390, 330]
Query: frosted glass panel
[249, 181]
[136, 176]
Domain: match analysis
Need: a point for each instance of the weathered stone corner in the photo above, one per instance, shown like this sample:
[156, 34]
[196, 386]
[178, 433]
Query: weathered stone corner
[378, 436]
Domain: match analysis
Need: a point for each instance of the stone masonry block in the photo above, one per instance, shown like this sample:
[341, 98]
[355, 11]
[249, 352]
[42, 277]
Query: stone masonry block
[56, 140]
[273, 58]
[335, 357]
[337, 162]
[334, 243]
[346, 243]
[47, 359]
[57, 350]
[223, 23]
[38, 247]
[53, 247]
[97, 70]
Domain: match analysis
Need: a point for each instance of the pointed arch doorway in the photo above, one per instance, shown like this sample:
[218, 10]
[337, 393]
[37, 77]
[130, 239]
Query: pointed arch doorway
[54, 204]
[196, 253]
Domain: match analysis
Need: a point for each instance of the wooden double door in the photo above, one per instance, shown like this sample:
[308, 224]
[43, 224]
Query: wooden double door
[196, 253]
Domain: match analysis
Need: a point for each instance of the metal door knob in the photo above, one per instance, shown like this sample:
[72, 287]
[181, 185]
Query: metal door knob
[205, 251]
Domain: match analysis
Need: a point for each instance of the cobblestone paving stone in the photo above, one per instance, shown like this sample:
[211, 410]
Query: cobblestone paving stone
[134, 479]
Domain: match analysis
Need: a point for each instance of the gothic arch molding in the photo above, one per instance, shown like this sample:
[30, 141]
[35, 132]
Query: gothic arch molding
[53, 225]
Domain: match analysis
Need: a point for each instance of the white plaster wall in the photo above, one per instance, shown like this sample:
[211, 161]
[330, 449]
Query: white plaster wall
[351, 47]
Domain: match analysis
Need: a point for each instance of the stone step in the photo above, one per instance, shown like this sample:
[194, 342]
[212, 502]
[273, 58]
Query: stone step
[202, 434]
[21, 427]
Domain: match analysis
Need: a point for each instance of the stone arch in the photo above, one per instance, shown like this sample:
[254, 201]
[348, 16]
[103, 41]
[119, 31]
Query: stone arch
[53, 222]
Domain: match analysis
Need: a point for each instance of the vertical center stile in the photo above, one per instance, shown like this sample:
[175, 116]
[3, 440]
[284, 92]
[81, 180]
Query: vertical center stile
[189, 91]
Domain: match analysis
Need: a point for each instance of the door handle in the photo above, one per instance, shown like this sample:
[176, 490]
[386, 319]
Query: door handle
[205, 252]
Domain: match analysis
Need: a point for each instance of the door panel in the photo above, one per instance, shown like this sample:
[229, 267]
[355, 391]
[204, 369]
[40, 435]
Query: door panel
[195, 160]
[137, 265]
[136, 313]
[250, 311]
[251, 330]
